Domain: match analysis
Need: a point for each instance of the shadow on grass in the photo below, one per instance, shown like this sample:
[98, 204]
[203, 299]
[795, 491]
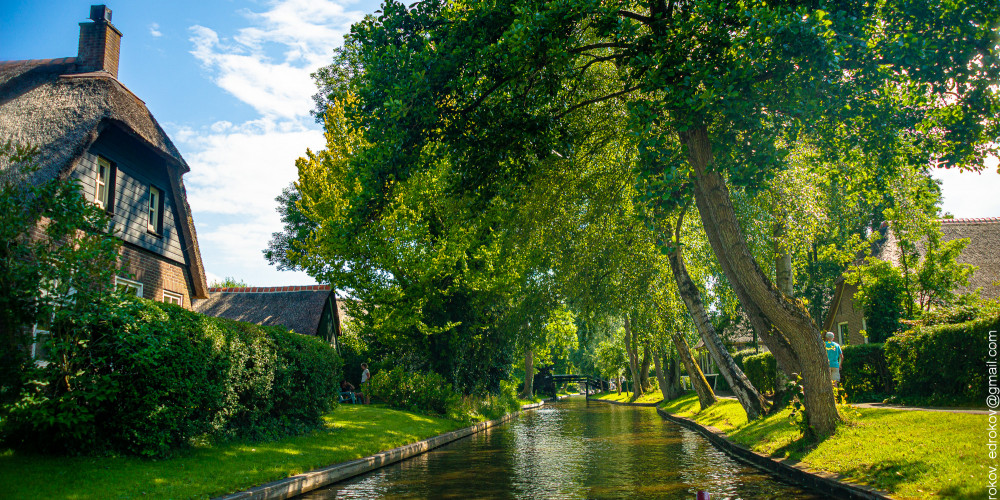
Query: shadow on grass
[889, 475]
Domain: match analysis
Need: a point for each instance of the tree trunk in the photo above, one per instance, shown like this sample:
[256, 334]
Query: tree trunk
[529, 374]
[751, 400]
[706, 397]
[668, 377]
[784, 279]
[644, 370]
[795, 331]
[633, 358]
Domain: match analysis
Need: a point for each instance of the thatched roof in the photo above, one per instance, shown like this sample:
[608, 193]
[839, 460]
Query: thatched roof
[983, 251]
[298, 308]
[48, 104]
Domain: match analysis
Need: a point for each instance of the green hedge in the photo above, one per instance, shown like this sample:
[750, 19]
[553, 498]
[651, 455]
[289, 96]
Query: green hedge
[865, 375]
[944, 364]
[761, 370]
[414, 391]
[146, 378]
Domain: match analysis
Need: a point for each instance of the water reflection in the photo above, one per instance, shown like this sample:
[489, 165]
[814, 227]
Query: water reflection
[572, 449]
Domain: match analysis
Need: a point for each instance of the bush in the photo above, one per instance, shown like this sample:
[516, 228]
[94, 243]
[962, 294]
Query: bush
[942, 364]
[761, 370]
[865, 374]
[419, 392]
[145, 378]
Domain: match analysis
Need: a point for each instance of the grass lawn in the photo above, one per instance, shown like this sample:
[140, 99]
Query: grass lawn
[911, 454]
[649, 397]
[352, 431]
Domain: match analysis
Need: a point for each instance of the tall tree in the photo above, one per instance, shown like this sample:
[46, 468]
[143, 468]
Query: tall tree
[729, 81]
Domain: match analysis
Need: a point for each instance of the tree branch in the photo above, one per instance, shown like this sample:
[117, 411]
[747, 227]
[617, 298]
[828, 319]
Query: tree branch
[596, 100]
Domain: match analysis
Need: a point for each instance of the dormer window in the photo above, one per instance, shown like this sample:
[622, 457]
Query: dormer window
[104, 187]
[154, 222]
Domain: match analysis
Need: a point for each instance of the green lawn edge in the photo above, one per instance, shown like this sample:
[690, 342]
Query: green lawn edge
[649, 397]
[351, 432]
[908, 453]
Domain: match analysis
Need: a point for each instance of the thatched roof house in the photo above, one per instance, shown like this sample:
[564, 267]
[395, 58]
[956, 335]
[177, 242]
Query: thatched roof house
[310, 310]
[90, 127]
[846, 319]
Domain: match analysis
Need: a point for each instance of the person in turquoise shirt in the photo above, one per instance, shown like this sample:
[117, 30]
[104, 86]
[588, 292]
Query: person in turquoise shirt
[836, 357]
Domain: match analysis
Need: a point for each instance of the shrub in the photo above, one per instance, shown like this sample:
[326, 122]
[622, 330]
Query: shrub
[865, 374]
[414, 391]
[742, 355]
[761, 370]
[942, 364]
[145, 378]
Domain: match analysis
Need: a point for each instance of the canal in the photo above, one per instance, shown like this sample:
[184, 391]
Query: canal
[571, 449]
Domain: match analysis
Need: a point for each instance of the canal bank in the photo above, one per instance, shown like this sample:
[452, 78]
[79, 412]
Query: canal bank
[303, 483]
[571, 449]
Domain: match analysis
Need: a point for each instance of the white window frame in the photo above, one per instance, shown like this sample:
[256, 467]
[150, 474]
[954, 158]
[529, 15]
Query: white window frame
[864, 326]
[129, 284]
[173, 298]
[102, 184]
[840, 331]
[36, 346]
[154, 214]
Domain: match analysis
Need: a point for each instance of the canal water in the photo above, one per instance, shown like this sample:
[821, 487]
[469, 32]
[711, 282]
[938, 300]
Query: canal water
[572, 449]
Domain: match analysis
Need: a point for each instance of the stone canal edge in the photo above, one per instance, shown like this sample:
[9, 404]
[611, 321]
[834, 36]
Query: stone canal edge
[820, 481]
[315, 479]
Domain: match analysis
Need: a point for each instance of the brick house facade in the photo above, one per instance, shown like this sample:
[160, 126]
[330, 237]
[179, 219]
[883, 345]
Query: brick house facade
[91, 128]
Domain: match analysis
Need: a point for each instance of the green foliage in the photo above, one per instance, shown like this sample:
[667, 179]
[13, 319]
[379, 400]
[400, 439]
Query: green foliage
[882, 295]
[413, 391]
[228, 282]
[761, 370]
[864, 374]
[56, 244]
[146, 378]
[799, 417]
[739, 357]
[944, 364]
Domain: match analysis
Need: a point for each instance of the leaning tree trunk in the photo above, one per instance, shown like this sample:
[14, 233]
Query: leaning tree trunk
[644, 369]
[751, 400]
[529, 374]
[706, 397]
[791, 320]
[633, 358]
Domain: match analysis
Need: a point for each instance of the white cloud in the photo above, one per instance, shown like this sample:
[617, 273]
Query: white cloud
[304, 31]
[154, 30]
[237, 169]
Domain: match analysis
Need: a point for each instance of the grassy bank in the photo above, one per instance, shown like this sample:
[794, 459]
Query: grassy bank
[911, 454]
[351, 432]
[649, 397]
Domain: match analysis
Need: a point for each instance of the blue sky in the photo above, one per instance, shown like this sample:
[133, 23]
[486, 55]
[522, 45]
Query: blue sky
[229, 81]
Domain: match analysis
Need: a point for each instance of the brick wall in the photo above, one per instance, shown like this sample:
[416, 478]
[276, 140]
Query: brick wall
[850, 312]
[100, 44]
[156, 274]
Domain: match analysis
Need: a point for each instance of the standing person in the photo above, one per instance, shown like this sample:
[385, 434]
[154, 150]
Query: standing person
[364, 378]
[836, 357]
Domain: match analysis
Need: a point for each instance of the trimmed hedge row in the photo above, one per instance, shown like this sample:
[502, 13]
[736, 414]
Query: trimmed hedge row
[761, 370]
[943, 364]
[145, 378]
[865, 375]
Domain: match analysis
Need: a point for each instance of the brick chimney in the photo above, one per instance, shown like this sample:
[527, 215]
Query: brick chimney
[99, 42]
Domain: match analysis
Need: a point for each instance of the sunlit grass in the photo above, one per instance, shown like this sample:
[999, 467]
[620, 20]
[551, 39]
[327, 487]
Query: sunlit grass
[649, 397]
[911, 454]
[351, 432]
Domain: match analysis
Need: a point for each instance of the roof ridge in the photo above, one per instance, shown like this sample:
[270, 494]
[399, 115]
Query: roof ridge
[957, 220]
[270, 289]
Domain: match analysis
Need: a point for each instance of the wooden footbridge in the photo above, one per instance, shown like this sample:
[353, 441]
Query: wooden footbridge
[550, 383]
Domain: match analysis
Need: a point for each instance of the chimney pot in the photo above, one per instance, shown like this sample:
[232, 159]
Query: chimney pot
[100, 13]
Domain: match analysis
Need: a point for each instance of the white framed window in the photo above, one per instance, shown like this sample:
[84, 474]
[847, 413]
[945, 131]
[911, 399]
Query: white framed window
[39, 335]
[864, 326]
[173, 298]
[842, 332]
[104, 184]
[155, 218]
[129, 286]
